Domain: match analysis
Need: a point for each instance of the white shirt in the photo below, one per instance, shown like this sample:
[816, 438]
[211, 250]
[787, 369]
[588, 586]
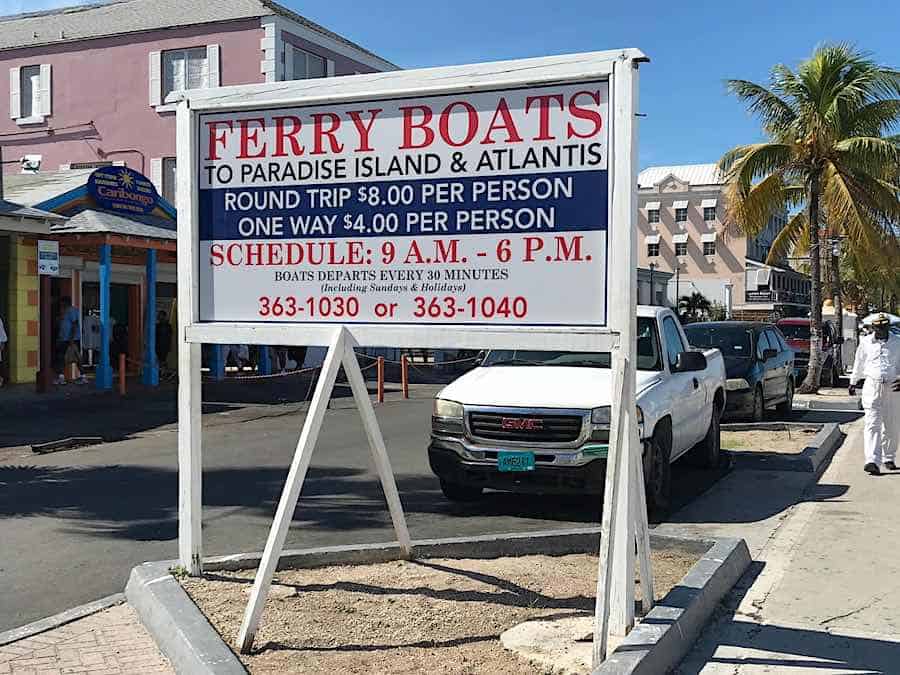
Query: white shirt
[3, 337]
[877, 360]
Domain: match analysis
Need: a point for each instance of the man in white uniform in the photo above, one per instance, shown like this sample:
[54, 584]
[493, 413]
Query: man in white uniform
[878, 362]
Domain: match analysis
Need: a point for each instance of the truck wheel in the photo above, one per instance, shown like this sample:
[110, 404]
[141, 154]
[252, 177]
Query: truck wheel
[786, 409]
[456, 492]
[658, 472]
[759, 408]
[708, 452]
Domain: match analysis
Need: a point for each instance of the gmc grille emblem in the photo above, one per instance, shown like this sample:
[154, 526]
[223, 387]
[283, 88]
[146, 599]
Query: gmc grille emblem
[521, 424]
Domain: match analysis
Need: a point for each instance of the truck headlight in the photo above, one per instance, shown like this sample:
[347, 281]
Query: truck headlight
[601, 415]
[737, 384]
[450, 410]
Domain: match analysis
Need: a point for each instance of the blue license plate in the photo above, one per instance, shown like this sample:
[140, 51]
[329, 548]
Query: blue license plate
[515, 461]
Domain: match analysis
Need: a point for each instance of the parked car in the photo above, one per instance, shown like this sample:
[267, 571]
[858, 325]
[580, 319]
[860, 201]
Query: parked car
[797, 332]
[539, 421]
[759, 365]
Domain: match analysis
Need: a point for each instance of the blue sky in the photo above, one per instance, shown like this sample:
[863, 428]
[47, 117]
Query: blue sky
[693, 47]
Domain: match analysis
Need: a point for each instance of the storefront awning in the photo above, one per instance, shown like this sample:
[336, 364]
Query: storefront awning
[134, 230]
[20, 219]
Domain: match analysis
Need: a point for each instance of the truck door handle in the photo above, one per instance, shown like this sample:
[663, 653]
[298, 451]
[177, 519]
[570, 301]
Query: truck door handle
[696, 383]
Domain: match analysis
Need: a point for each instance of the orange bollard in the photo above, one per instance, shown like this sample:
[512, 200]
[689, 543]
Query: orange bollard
[404, 374]
[380, 379]
[122, 373]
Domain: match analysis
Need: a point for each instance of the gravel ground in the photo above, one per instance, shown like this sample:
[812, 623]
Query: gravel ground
[434, 616]
[789, 442]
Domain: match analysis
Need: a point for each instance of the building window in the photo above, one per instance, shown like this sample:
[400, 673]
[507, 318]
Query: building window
[681, 248]
[185, 69]
[168, 179]
[681, 215]
[29, 93]
[653, 216]
[652, 250]
[307, 66]
[709, 248]
[709, 213]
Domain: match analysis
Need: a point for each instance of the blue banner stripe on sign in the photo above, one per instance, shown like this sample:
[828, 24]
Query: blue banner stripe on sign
[520, 203]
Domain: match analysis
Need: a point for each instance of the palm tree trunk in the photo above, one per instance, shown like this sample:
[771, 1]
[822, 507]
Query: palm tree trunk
[814, 369]
[838, 307]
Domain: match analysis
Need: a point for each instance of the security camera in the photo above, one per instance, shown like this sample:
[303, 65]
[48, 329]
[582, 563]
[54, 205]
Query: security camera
[31, 163]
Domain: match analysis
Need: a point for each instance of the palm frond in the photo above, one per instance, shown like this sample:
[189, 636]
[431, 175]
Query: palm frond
[870, 154]
[794, 237]
[774, 112]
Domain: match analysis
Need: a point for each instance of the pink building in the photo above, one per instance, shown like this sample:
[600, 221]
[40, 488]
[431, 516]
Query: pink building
[87, 88]
[87, 84]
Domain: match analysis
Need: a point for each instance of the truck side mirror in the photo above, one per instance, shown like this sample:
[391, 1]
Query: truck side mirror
[689, 362]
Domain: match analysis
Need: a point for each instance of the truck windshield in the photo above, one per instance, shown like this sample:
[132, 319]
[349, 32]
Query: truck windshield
[794, 331]
[648, 354]
[730, 340]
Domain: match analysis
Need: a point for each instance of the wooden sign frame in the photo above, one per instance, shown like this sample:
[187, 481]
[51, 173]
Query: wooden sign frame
[624, 523]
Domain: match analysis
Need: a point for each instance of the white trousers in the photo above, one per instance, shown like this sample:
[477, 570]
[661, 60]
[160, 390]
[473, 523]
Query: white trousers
[882, 434]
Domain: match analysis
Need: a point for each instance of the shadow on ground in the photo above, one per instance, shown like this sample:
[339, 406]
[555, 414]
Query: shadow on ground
[140, 502]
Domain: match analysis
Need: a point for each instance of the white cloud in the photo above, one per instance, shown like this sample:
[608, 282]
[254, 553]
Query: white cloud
[8, 7]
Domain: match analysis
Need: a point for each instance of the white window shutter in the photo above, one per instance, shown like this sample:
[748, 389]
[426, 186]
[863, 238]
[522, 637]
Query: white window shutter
[213, 65]
[15, 96]
[289, 61]
[46, 90]
[156, 173]
[155, 78]
[329, 67]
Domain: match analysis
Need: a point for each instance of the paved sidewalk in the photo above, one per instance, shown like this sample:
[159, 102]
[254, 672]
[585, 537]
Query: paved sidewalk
[111, 642]
[825, 594]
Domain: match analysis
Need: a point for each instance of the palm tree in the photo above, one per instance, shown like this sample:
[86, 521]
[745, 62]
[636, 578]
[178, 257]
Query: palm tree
[829, 156]
[693, 307]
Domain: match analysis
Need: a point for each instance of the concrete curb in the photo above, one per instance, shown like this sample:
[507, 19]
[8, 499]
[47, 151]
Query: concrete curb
[61, 619]
[179, 628]
[841, 406]
[820, 450]
[185, 636]
[667, 633]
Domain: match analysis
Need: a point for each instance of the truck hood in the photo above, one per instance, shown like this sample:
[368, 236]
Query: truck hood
[539, 387]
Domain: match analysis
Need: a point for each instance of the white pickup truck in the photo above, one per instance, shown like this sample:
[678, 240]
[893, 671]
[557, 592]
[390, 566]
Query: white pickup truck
[538, 421]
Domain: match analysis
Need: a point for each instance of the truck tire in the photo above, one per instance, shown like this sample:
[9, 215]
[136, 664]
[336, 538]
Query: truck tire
[759, 406]
[658, 471]
[456, 492]
[786, 409]
[708, 452]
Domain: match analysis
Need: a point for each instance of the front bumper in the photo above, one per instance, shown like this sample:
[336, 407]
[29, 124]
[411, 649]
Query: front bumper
[449, 464]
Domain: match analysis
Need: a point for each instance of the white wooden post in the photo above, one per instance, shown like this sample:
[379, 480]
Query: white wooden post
[642, 530]
[608, 523]
[376, 445]
[292, 487]
[190, 460]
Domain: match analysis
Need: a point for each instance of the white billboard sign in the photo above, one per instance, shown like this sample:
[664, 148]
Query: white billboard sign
[48, 258]
[488, 208]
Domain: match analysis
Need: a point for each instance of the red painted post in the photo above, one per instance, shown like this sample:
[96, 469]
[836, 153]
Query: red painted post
[404, 374]
[380, 369]
[122, 373]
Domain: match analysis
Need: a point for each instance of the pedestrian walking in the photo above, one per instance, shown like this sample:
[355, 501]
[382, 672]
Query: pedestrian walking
[878, 363]
[3, 340]
[68, 341]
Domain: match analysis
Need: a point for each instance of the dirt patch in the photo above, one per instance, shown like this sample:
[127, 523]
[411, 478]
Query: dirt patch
[791, 441]
[434, 616]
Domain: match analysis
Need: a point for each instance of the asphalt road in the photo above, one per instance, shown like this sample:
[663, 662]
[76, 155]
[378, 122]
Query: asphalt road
[73, 523]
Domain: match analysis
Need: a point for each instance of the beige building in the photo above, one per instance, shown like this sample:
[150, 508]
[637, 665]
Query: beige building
[681, 231]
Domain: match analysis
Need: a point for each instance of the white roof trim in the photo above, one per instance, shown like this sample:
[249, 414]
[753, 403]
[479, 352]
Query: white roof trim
[652, 206]
[708, 236]
[681, 238]
[709, 203]
[680, 204]
[652, 239]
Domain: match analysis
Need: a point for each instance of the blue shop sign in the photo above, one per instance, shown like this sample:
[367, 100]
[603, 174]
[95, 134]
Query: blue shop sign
[122, 190]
